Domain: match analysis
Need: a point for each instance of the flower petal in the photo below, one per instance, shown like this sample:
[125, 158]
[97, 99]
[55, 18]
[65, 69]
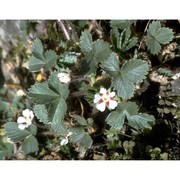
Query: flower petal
[112, 94]
[112, 104]
[21, 119]
[64, 77]
[97, 97]
[21, 126]
[101, 106]
[29, 122]
[26, 113]
[31, 115]
[103, 91]
[64, 141]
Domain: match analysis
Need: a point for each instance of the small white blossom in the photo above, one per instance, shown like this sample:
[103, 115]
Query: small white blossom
[65, 140]
[104, 99]
[25, 120]
[20, 92]
[64, 77]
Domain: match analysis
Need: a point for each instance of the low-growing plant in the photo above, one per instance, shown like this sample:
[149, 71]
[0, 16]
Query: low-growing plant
[88, 97]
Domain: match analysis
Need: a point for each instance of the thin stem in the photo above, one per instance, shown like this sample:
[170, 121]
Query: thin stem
[77, 94]
[63, 28]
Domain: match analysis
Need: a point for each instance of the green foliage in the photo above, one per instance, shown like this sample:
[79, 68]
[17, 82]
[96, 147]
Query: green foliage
[41, 113]
[129, 110]
[156, 153]
[95, 52]
[6, 150]
[124, 78]
[3, 105]
[157, 36]
[121, 24]
[59, 128]
[165, 72]
[53, 94]
[116, 120]
[128, 146]
[125, 42]
[68, 58]
[82, 138]
[141, 121]
[80, 120]
[30, 145]
[122, 42]
[86, 42]
[114, 35]
[41, 59]
[14, 133]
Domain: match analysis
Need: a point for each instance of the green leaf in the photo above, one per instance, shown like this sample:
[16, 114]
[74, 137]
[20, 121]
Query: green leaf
[51, 93]
[124, 38]
[56, 86]
[164, 35]
[40, 59]
[59, 128]
[153, 45]
[122, 24]
[3, 105]
[14, 133]
[124, 88]
[131, 43]
[69, 58]
[125, 42]
[156, 36]
[153, 28]
[30, 145]
[80, 120]
[57, 110]
[128, 108]
[165, 72]
[37, 49]
[86, 42]
[124, 78]
[2, 154]
[50, 59]
[41, 113]
[41, 93]
[99, 52]
[111, 65]
[141, 121]
[130, 111]
[35, 64]
[116, 120]
[114, 35]
[32, 129]
[6, 150]
[135, 70]
[81, 138]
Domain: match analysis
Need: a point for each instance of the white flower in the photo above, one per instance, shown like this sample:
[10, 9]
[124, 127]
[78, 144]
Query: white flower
[25, 120]
[20, 92]
[65, 140]
[105, 98]
[64, 77]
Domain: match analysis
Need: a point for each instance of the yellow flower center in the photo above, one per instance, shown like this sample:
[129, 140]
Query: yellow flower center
[27, 119]
[105, 98]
